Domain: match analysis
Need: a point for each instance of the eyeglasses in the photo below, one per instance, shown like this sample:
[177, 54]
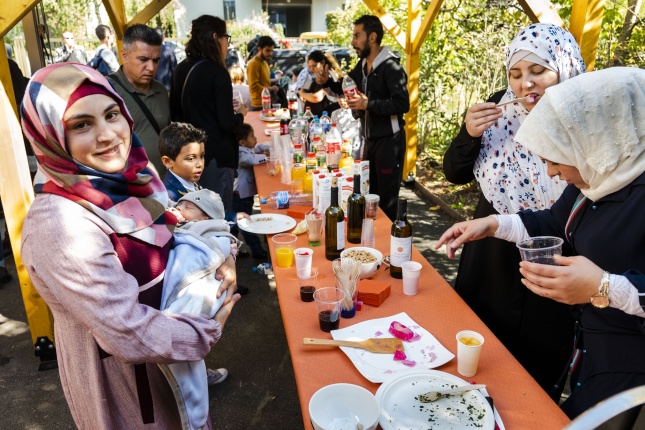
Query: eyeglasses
[228, 38]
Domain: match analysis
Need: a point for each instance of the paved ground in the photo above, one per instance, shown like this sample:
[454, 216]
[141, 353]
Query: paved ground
[260, 392]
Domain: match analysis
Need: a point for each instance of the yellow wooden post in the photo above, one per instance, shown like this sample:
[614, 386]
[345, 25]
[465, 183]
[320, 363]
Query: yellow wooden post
[116, 12]
[17, 195]
[586, 22]
[5, 77]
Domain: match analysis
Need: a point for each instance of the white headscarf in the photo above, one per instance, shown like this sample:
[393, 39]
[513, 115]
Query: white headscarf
[510, 177]
[595, 123]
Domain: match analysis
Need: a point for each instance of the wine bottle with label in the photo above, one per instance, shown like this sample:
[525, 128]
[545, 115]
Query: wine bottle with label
[334, 225]
[355, 209]
[400, 240]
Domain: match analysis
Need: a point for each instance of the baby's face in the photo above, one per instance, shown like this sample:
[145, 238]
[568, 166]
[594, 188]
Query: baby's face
[190, 211]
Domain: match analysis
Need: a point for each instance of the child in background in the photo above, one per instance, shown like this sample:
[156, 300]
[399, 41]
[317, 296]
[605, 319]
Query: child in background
[181, 147]
[282, 81]
[244, 187]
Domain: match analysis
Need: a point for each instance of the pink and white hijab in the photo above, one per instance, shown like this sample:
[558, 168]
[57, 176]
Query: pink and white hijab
[509, 175]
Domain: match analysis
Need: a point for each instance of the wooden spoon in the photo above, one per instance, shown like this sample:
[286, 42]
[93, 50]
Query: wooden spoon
[521, 99]
[387, 345]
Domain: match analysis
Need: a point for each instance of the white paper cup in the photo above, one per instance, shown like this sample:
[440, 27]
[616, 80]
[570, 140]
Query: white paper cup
[411, 272]
[304, 257]
[468, 355]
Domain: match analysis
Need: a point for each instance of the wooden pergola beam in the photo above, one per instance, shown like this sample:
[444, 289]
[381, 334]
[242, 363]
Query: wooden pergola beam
[426, 24]
[586, 23]
[388, 21]
[148, 12]
[541, 11]
[11, 12]
[116, 12]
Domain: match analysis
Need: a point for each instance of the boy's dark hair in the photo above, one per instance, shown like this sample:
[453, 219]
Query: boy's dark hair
[102, 31]
[295, 72]
[265, 41]
[176, 135]
[140, 33]
[243, 131]
[371, 24]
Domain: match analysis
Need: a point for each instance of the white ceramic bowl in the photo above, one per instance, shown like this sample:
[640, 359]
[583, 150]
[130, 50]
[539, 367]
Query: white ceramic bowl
[342, 406]
[367, 269]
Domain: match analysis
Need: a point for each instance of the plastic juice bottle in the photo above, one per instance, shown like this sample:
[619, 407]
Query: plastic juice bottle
[308, 184]
[284, 255]
[321, 159]
[346, 162]
[298, 155]
[312, 162]
[266, 101]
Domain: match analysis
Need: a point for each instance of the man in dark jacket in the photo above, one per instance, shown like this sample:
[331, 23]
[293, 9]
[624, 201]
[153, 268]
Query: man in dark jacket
[381, 101]
[167, 62]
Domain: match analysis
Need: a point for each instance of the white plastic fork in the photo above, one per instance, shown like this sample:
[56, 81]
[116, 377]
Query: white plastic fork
[431, 396]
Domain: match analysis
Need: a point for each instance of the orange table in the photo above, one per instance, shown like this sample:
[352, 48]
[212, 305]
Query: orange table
[520, 401]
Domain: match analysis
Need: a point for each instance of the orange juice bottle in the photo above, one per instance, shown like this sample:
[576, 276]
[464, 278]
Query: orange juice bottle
[297, 177]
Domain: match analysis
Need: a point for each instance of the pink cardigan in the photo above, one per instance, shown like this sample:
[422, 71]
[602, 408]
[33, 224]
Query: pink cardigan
[72, 263]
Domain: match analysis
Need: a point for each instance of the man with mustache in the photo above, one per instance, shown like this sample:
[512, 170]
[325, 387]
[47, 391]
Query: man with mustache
[381, 101]
[145, 98]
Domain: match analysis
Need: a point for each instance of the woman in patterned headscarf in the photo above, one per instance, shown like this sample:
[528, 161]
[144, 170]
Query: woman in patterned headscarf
[95, 244]
[535, 330]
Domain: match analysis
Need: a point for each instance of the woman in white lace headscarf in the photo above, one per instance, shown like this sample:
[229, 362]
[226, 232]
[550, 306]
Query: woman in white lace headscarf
[512, 179]
[591, 133]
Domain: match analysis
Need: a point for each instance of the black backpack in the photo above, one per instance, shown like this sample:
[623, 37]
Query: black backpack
[99, 64]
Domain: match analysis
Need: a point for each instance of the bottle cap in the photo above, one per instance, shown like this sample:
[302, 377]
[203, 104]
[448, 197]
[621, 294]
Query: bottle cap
[310, 154]
[324, 112]
[264, 201]
[333, 124]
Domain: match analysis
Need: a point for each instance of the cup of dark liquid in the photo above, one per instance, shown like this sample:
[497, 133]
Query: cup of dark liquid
[541, 249]
[328, 305]
[308, 279]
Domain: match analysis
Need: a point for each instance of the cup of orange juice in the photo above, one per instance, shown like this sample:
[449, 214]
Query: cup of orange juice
[284, 244]
[469, 346]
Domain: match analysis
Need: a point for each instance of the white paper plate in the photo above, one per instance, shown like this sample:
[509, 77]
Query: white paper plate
[270, 118]
[267, 131]
[400, 410]
[426, 352]
[276, 224]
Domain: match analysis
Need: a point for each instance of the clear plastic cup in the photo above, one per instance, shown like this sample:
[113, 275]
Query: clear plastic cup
[371, 205]
[367, 233]
[308, 281]
[328, 305]
[541, 249]
[284, 243]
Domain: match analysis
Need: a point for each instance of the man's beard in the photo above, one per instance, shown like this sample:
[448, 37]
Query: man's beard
[365, 52]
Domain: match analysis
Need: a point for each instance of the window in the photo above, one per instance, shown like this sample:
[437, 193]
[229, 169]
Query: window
[229, 10]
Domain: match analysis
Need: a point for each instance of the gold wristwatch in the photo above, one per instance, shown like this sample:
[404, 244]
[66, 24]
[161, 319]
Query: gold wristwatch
[601, 298]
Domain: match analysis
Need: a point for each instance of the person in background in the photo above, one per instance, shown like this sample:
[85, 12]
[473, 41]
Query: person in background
[70, 51]
[95, 243]
[237, 77]
[258, 73]
[104, 59]
[146, 98]
[251, 154]
[381, 102]
[202, 95]
[282, 81]
[589, 131]
[167, 61]
[304, 73]
[312, 93]
[537, 331]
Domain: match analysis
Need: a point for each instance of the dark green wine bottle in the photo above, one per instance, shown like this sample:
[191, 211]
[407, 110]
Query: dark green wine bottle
[334, 225]
[355, 210]
[400, 240]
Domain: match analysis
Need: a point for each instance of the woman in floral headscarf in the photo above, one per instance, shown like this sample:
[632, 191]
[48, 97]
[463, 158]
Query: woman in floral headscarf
[95, 244]
[535, 330]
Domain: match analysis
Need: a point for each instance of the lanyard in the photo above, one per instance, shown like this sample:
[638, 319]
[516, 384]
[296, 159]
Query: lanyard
[579, 203]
